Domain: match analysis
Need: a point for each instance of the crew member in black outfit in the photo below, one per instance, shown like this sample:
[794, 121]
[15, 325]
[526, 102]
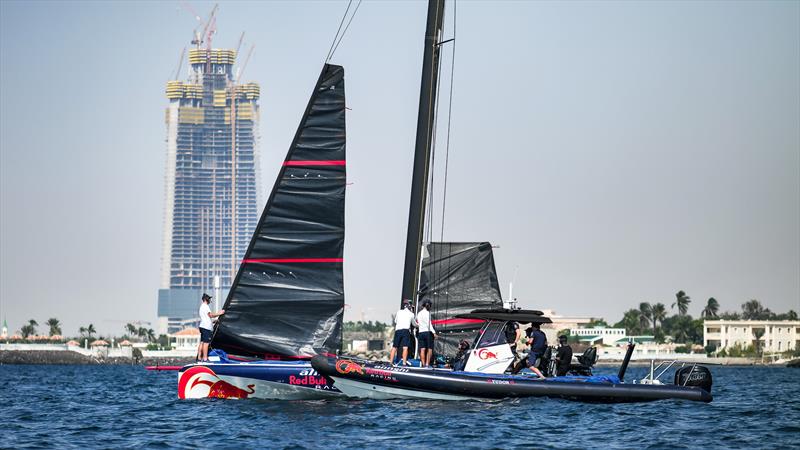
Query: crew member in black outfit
[563, 356]
[512, 336]
[538, 343]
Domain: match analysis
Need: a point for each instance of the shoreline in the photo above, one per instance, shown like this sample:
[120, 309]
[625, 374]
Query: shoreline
[62, 358]
[45, 357]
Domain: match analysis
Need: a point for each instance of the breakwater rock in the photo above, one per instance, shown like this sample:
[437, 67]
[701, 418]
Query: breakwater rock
[68, 357]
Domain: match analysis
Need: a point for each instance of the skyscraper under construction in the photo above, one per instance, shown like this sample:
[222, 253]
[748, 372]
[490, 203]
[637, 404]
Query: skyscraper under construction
[211, 188]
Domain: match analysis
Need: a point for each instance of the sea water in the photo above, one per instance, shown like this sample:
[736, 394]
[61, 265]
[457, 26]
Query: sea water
[127, 406]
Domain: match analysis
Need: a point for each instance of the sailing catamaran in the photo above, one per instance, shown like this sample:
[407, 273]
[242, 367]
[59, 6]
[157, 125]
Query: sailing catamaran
[489, 357]
[287, 300]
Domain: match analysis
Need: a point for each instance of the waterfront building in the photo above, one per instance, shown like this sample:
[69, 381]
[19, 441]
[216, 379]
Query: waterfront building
[604, 336]
[186, 339]
[776, 335]
[560, 323]
[211, 184]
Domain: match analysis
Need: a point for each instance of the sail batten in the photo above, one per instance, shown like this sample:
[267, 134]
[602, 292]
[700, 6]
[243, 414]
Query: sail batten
[288, 296]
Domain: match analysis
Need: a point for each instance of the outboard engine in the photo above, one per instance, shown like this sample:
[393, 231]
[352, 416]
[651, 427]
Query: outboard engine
[694, 376]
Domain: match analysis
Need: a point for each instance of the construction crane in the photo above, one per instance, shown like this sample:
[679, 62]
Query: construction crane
[234, 85]
[177, 72]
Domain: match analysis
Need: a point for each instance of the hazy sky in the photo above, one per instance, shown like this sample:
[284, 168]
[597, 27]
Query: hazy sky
[615, 151]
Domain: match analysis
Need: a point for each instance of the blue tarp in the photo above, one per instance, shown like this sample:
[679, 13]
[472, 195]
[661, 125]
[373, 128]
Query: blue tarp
[613, 379]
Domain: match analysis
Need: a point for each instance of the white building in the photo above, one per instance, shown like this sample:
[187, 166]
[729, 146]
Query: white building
[605, 336]
[778, 335]
[185, 339]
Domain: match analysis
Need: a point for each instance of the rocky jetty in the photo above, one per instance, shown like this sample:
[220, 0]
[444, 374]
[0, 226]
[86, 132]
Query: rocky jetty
[66, 358]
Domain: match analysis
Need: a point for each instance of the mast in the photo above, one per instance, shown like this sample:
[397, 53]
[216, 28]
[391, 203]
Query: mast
[422, 149]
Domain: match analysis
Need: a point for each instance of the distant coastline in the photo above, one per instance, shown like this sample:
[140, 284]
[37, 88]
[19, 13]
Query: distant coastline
[44, 357]
[47, 357]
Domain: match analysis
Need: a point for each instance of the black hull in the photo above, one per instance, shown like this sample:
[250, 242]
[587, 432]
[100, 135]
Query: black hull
[381, 380]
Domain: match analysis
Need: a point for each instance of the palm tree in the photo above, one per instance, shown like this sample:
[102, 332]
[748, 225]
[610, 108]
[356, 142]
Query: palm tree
[130, 329]
[27, 330]
[82, 330]
[754, 310]
[32, 324]
[710, 311]
[55, 326]
[141, 332]
[757, 334]
[791, 315]
[682, 300]
[658, 314]
[90, 330]
[645, 312]
[151, 335]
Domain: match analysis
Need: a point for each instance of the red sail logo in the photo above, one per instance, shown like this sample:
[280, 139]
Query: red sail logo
[486, 354]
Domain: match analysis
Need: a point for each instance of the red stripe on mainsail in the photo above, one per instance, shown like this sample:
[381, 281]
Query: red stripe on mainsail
[457, 321]
[314, 163]
[293, 260]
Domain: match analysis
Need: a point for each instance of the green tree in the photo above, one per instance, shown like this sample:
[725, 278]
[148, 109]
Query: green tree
[758, 333]
[791, 315]
[710, 311]
[754, 310]
[645, 315]
[33, 324]
[597, 323]
[82, 330]
[141, 332]
[151, 335]
[27, 330]
[55, 326]
[130, 329]
[658, 314]
[90, 330]
[630, 322]
[682, 300]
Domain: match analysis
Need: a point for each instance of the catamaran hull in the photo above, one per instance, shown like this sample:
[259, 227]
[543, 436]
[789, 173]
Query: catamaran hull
[262, 380]
[370, 380]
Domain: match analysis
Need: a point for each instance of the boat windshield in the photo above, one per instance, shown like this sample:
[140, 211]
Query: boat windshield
[493, 334]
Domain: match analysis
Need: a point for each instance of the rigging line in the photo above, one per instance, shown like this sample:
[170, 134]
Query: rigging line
[345, 29]
[449, 120]
[447, 149]
[435, 272]
[328, 58]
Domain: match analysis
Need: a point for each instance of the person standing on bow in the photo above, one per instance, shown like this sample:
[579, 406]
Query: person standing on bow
[426, 334]
[403, 321]
[206, 327]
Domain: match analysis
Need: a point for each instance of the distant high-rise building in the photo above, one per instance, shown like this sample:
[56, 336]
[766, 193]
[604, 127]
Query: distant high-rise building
[211, 189]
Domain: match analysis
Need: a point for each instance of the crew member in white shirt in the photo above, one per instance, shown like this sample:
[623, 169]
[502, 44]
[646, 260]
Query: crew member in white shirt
[426, 334]
[403, 321]
[206, 327]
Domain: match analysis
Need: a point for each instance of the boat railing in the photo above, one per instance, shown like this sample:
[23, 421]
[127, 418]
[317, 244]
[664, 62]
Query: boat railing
[658, 371]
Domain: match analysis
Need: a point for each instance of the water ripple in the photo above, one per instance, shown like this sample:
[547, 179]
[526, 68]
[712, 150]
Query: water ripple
[125, 406]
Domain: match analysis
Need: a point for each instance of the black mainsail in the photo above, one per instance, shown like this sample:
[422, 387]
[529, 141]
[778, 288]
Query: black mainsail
[287, 299]
[458, 277]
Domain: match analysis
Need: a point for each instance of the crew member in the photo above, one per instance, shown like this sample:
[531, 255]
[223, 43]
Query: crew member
[460, 360]
[426, 334]
[538, 344]
[563, 356]
[513, 333]
[403, 321]
[206, 327]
